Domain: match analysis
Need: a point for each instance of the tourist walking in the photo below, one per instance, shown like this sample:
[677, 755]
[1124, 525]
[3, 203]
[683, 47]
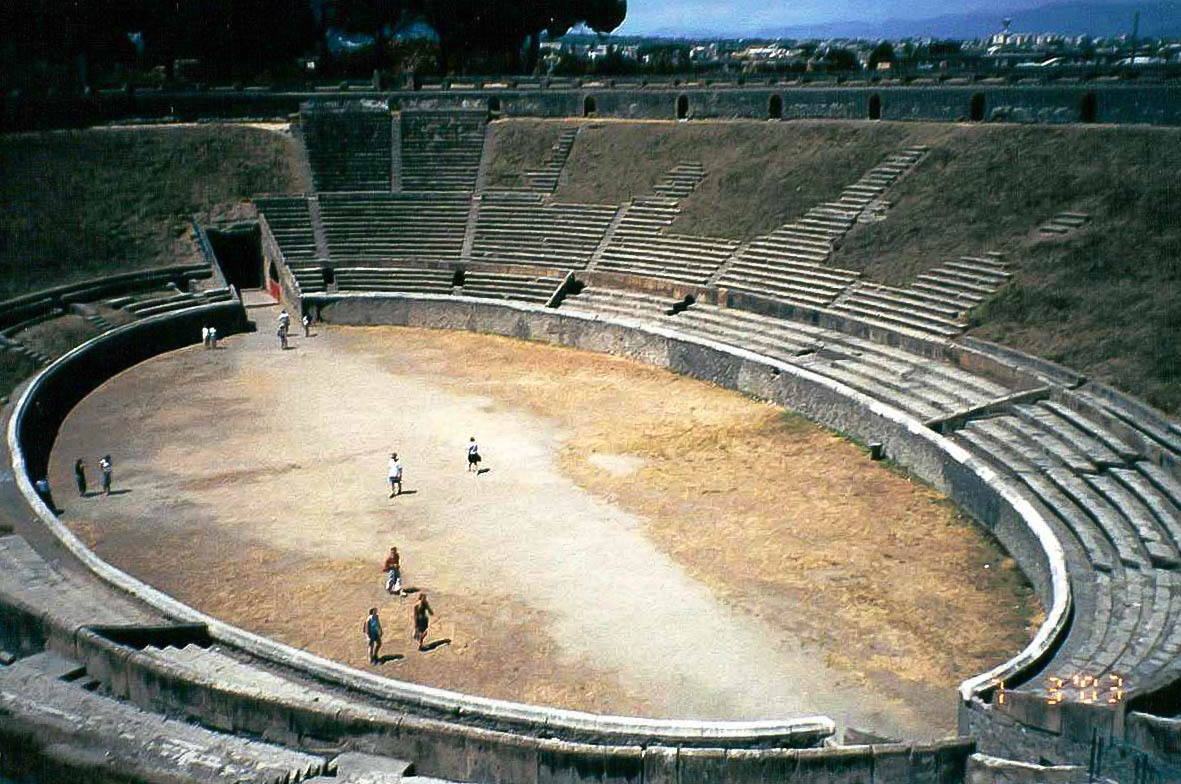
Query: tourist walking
[205, 337]
[395, 474]
[307, 325]
[80, 476]
[104, 466]
[473, 456]
[393, 569]
[422, 609]
[282, 333]
[372, 628]
[213, 337]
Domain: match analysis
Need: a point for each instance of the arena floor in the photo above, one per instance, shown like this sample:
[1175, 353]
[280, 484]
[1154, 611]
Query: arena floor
[640, 544]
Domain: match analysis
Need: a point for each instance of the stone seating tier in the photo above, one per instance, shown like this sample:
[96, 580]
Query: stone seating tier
[291, 224]
[683, 258]
[924, 388]
[349, 151]
[617, 303]
[441, 150]
[308, 276]
[394, 226]
[410, 279]
[41, 708]
[523, 288]
[1128, 528]
[865, 304]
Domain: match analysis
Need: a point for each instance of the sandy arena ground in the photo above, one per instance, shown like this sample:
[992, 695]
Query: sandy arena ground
[641, 543]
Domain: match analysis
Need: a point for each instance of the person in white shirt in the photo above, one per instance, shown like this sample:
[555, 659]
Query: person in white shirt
[395, 473]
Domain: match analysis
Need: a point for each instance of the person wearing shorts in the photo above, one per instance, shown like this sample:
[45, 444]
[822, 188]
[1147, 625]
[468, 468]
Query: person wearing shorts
[422, 611]
[372, 629]
[473, 456]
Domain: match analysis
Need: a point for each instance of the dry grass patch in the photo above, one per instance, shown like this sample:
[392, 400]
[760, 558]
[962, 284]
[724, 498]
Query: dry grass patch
[780, 516]
[1106, 299]
[760, 174]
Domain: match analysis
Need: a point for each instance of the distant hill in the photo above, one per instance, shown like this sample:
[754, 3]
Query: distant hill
[1071, 18]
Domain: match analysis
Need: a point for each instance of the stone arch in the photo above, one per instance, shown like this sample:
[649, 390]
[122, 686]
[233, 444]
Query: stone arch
[589, 107]
[976, 107]
[1088, 107]
[875, 107]
[775, 108]
[682, 107]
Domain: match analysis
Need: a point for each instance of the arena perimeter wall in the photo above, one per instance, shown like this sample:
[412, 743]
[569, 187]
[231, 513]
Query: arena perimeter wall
[1102, 102]
[484, 740]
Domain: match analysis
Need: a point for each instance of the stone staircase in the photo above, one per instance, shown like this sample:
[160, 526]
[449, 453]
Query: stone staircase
[789, 264]
[937, 303]
[1064, 223]
[545, 178]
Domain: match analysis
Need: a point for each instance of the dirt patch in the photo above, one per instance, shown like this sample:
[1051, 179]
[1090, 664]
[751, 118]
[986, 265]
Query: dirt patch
[746, 564]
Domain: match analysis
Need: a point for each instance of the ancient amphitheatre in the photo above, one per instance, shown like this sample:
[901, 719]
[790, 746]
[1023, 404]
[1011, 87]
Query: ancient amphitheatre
[818, 303]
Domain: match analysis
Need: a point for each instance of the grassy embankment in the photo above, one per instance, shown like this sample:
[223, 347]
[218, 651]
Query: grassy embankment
[83, 204]
[1105, 300]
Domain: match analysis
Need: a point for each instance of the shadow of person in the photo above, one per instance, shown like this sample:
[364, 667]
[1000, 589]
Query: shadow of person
[410, 589]
[430, 646]
[119, 492]
[389, 657]
[483, 471]
[408, 492]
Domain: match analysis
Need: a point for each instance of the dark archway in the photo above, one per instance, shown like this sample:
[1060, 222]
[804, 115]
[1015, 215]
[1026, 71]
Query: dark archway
[239, 252]
[875, 107]
[775, 108]
[682, 107]
[976, 107]
[589, 107]
[1088, 109]
[494, 105]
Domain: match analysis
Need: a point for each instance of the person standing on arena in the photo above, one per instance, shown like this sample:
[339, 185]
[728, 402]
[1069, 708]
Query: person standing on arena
[104, 466]
[80, 476]
[422, 609]
[372, 629]
[307, 325]
[393, 569]
[395, 473]
[473, 456]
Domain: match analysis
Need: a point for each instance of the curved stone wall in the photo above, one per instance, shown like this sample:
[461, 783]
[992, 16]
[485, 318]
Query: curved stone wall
[460, 734]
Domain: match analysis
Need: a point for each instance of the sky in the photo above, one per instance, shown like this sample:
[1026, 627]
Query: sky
[686, 17]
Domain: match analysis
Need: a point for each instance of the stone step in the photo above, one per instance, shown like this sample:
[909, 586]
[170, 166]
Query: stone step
[912, 322]
[1159, 545]
[948, 294]
[1064, 432]
[1004, 449]
[955, 283]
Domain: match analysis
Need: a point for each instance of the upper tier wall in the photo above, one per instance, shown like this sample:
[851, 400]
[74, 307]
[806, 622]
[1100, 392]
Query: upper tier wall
[1150, 103]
